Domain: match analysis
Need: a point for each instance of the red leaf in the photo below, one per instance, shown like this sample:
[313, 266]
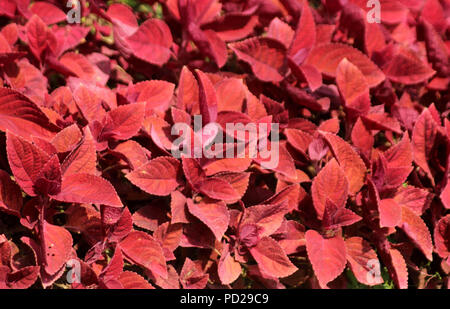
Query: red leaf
[407, 68]
[121, 227]
[423, 138]
[231, 93]
[399, 269]
[26, 162]
[331, 184]
[298, 139]
[445, 196]
[362, 138]
[238, 181]
[227, 165]
[178, 208]
[228, 269]
[305, 35]
[264, 55]
[353, 88]
[11, 200]
[381, 121]
[135, 154]
[37, 36]
[234, 26]
[143, 250]
[271, 258]
[152, 42]
[82, 159]
[23, 278]
[49, 13]
[349, 160]
[417, 231]
[67, 139]
[123, 122]
[309, 74]
[335, 217]
[48, 181]
[192, 276]
[58, 246]
[187, 90]
[326, 59]
[399, 165]
[149, 216]
[292, 194]
[158, 177]
[363, 261]
[156, 94]
[21, 116]
[217, 188]
[207, 98]
[86, 188]
[89, 103]
[80, 66]
[213, 214]
[327, 256]
[267, 218]
[277, 159]
[169, 236]
[416, 199]
[442, 237]
[390, 213]
[123, 17]
[110, 274]
[132, 280]
[280, 31]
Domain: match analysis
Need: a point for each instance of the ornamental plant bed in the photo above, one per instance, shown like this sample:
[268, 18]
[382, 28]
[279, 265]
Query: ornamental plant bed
[224, 144]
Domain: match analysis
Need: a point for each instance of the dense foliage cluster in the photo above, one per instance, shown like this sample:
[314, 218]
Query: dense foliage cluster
[91, 195]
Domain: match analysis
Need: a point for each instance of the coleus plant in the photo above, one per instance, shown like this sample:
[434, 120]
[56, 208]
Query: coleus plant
[92, 194]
